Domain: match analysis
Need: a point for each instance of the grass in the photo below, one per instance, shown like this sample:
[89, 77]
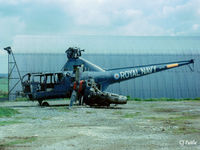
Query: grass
[4, 123]
[186, 117]
[165, 110]
[21, 99]
[25, 117]
[182, 117]
[45, 118]
[3, 94]
[63, 109]
[89, 112]
[186, 130]
[131, 115]
[7, 112]
[3, 87]
[155, 118]
[161, 99]
[180, 124]
[18, 140]
[4, 84]
[117, 113]
[126, 115]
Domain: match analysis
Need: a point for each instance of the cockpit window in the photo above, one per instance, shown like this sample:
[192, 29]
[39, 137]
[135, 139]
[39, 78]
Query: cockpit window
[58, 77]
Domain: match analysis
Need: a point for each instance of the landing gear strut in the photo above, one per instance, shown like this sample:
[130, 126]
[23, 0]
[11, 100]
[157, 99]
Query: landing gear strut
[40, 102]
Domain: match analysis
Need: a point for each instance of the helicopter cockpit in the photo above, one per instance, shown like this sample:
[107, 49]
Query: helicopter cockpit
[41, 81]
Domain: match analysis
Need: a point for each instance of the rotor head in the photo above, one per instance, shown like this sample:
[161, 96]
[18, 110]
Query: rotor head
[73, 52]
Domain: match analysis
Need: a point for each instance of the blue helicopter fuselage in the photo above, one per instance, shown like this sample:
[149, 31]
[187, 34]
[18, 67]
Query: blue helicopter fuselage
[60, 84]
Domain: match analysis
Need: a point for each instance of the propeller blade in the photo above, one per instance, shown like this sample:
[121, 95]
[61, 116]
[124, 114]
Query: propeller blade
[73, 98]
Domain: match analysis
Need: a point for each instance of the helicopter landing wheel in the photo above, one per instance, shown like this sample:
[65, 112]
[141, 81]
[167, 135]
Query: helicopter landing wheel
[45, 104]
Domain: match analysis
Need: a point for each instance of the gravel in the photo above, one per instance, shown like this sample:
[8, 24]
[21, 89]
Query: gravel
[136, 125]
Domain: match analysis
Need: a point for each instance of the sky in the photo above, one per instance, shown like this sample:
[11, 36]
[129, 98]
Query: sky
[98, 17]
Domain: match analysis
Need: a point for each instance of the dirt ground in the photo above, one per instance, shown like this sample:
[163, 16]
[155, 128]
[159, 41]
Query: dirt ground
[136, 125]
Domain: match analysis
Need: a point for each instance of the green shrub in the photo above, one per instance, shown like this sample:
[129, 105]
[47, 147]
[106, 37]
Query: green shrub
[21, 99]
[3, 94]
[7, 112]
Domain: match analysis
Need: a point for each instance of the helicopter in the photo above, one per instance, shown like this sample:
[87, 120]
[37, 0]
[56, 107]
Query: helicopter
[84, 82]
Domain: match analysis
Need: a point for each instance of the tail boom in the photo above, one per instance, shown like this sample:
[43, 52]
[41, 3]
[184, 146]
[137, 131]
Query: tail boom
[124, 74]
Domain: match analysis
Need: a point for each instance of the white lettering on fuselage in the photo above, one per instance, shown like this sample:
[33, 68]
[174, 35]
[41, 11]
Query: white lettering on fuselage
[147, 70]
[137, 72]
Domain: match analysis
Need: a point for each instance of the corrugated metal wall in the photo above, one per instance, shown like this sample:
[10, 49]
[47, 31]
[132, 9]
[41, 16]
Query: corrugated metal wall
[111, 52]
